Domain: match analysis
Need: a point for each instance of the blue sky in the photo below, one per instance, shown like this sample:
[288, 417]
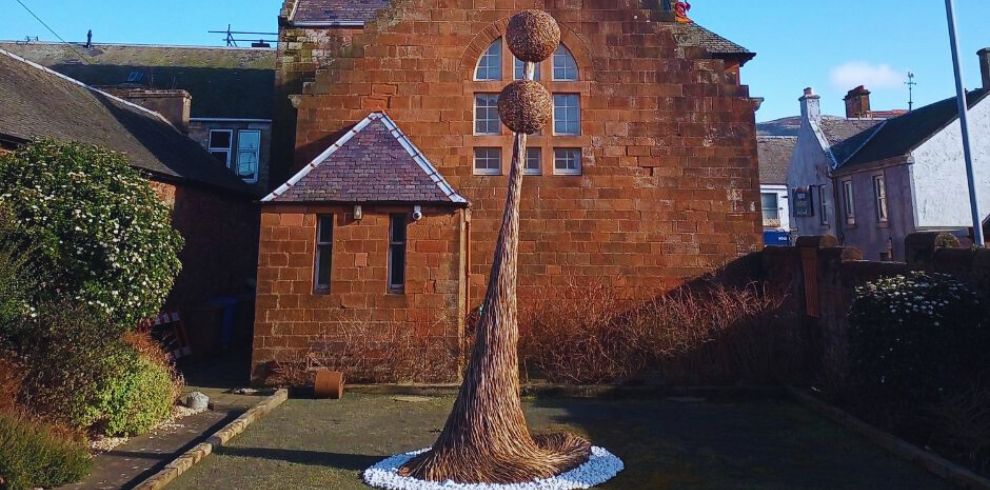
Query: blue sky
[829, 45]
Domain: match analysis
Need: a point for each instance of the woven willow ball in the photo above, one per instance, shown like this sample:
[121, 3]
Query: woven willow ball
[532, 35]
[525, 106]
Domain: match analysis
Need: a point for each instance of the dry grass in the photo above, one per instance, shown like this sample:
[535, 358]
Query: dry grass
[373, 353]
[714, 335]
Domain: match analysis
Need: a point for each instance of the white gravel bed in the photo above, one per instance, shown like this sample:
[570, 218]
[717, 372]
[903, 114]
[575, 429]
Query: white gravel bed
[602, 467]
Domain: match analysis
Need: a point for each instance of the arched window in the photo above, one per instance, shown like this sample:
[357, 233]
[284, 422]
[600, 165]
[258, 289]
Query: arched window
[558, 150]
[564, 66]
[490, 64]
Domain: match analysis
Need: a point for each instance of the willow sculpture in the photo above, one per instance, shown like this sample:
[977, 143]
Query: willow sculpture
[485, 439]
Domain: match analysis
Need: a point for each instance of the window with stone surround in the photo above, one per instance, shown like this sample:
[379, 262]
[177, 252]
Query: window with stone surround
[566, 114]
[486, 119]
[324, 253]
[488, 161]
[490, 143]
[848, 202]
[880, 198]
[490, 64]
[397, 254]
[564, 66]
[534, 161]
[567, 161]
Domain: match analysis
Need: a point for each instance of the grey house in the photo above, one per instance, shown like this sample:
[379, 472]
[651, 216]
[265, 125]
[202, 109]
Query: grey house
[871, 181]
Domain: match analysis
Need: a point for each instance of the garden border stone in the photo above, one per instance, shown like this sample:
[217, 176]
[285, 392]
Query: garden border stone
[932, 462]
[183, 462]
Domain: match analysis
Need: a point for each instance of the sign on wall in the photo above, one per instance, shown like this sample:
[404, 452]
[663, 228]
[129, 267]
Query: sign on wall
[803, 207]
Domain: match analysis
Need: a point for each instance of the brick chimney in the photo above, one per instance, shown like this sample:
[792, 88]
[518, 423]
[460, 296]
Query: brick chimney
[174, 105]
[858, 103]
[984, 55]
[811, 105]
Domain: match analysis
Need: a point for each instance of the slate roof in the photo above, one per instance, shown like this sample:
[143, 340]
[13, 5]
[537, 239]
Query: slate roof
[224, 82]
[846, 136]
[785, 126]
[337, 10]
[373, 162]
[775, 157]
[37, 102]
[695, 35]
[903, 134]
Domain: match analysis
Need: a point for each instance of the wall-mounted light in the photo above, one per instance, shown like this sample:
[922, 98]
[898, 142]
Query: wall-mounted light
[358, 213]
[417, 213]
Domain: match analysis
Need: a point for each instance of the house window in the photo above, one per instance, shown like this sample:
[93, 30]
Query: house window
[519, 71]
[221, 141]
[490, 64]
[567, 161]
[488, 161]
[564, 66]
[880, 195]
[534, 162]
[248, 154]
[486, 120]
[566, 114]
[848, 201]
[324, 253]
[397, 254]
[823, 205]
[771, 209]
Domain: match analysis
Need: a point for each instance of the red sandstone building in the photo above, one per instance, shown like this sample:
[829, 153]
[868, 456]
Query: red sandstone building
[647, 176]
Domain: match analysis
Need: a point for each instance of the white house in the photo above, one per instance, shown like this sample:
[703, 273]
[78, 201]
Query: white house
[871, 181]
[775, 153]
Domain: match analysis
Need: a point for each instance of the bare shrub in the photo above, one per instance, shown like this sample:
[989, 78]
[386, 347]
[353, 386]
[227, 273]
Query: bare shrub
[961, 424]
[710, 335]
[367, 352]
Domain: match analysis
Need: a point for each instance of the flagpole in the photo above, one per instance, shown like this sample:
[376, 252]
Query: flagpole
[974, 204]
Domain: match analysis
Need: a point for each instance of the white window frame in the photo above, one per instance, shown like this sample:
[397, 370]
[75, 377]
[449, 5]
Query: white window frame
[565, 55]
[880, 198]
[568, 171]
[493, 112]
[235, 164]
[229, 150]
[776, 208]
[527, 170]
[323, 247]
[519, 70]
[496, 45]
[577, 108]
[823, 205]
[848, 202]
[486, 170]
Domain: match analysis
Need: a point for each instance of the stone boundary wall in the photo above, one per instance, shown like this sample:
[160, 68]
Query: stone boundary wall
[820, 279]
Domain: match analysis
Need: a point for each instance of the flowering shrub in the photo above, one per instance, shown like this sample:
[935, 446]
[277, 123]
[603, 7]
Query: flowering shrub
[103, 236]
[916, 336]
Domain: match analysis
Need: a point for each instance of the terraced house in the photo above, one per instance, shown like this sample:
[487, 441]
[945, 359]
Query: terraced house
[396, 163]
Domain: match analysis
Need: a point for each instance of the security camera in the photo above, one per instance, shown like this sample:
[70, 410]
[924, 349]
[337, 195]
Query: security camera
[417, 213]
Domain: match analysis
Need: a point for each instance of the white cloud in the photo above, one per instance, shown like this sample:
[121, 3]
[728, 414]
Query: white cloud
[874, 76]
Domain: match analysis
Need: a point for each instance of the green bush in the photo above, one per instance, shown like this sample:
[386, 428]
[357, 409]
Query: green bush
[81, 377]
[133, 401]
[33, 455]
[103, 236]
[918, 337]
[17, 282]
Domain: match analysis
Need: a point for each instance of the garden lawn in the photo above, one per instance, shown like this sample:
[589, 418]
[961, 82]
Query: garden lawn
[666, 444]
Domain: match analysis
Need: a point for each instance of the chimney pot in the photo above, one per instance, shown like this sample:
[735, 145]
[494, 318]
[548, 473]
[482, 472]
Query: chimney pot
[858, 103]
[811, 105]
[984, 55]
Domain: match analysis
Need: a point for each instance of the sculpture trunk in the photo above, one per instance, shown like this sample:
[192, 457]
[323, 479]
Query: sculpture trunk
[485, 439]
